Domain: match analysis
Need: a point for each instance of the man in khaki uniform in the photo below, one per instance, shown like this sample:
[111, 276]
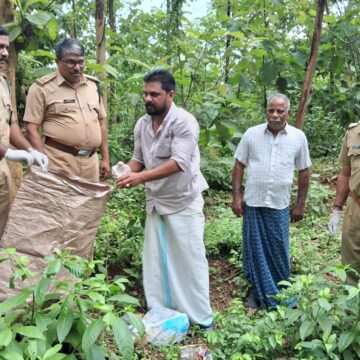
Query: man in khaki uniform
[68, 107]
[10, 133]
[349, 183]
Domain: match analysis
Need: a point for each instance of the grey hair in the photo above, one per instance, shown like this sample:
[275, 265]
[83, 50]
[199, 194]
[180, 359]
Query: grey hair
[278, 96]
[68, 46]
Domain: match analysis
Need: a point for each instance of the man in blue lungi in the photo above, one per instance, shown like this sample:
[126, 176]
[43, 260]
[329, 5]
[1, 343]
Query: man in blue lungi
[270, 152]
[166, 159]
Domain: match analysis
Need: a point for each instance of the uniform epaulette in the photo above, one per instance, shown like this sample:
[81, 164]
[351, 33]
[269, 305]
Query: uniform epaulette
[352, 125]
[45, 79]
[93, 78]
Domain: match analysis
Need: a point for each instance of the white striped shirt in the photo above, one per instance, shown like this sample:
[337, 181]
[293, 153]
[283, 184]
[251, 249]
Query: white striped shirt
[270, 162]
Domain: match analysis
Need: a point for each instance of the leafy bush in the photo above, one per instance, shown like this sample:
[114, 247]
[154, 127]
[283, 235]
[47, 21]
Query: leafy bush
[324, 324]
[120, 235]
[66, 319]
[223, 233]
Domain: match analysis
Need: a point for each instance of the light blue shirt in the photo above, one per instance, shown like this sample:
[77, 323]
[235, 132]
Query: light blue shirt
[270, 162]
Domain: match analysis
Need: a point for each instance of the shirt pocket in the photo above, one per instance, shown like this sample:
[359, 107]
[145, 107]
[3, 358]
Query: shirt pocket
[354, 155]
[94, 109]
[163, 149]
[8, 110]
[65, 108]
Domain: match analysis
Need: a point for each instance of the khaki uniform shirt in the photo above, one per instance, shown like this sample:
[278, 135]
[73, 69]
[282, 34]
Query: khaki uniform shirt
[5, 111]
[68, 114]
[350, 155]
[176, 139]
[6, 119]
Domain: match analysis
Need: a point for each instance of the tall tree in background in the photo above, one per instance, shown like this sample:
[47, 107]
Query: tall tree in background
[311, 65]
[101, 40]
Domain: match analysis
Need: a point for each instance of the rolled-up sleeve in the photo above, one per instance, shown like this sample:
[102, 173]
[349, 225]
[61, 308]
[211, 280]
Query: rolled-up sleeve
[185, 139]
[137, 154]
[35, 105]
[242, 151]
[302, 160]
[343, 156]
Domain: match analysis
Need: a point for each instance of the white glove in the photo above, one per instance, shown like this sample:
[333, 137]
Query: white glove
[41, 159]
[19, 155]
[119, 169]
[334, 222]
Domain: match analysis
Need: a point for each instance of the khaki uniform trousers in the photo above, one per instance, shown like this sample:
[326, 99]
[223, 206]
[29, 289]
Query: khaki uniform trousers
[5, 194]
[85, 167]
[350, 245]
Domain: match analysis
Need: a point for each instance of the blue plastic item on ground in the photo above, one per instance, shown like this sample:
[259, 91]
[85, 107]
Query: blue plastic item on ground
[165, 326]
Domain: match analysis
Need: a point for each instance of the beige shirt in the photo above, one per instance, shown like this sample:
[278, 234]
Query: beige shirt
[68, 114]
[350, 155]
[5, 111]
[176, 139]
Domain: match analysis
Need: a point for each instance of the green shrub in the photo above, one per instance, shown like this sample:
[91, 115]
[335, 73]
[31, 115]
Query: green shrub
[325, 324]
[66, 319]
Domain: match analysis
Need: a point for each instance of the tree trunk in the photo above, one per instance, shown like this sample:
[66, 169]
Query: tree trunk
[101, 41]
[311, 65]
[6, 16]
[112, 87]
[227, 44]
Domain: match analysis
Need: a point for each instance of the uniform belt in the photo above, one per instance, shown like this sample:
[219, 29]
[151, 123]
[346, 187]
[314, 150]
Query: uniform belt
[69, 149]
[356, 198]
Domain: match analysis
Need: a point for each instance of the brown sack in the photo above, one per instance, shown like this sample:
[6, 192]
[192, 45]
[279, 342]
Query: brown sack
[52, 210]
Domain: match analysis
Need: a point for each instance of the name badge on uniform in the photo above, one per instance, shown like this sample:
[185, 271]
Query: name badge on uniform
[69, 101]
[355, 147]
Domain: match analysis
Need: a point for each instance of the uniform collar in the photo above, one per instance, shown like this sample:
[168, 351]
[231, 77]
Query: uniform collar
[61, 80]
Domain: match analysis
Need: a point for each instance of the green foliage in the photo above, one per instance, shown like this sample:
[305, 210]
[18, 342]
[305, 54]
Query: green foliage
[120, 234]
[66, 317]
[323, 325]
[223, 233]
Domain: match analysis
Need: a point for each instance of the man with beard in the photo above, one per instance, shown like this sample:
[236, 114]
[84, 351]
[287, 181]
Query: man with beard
[166, 159]
[68, 107]
[270, 152]
[10, 133]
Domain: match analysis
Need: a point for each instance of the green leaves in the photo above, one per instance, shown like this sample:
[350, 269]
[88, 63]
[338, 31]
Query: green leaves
[64, 325]
[31, 332]
[91, 334]
[14, 301]
[39, 18]
[5, 337]
[123, 337]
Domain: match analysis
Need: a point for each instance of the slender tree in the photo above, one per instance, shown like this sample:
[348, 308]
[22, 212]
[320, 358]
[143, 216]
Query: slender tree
[101, 40]
[311, 65]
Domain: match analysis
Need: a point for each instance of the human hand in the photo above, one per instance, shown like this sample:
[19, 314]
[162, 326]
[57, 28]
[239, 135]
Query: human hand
[238, 207]
[120, 169]
[41, 159]
[104, 169]
[129, 180]
[19, 155]
[334, 222]
[297, 212]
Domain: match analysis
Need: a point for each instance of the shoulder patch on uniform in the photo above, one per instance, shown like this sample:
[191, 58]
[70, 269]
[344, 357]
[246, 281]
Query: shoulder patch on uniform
[45, 79]
[352, 125]
[93, 78]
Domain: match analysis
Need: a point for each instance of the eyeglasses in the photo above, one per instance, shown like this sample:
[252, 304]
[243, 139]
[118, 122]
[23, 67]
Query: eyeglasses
[73, 63]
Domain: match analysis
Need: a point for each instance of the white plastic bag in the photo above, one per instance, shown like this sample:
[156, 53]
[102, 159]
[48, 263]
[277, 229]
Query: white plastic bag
[165, 326]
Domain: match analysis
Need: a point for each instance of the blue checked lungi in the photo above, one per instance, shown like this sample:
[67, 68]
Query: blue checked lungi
[266, 256]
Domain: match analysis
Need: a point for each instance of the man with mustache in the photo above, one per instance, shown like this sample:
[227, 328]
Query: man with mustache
[68, 108]
[270, 152]
[166, 159]
[10, 133]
